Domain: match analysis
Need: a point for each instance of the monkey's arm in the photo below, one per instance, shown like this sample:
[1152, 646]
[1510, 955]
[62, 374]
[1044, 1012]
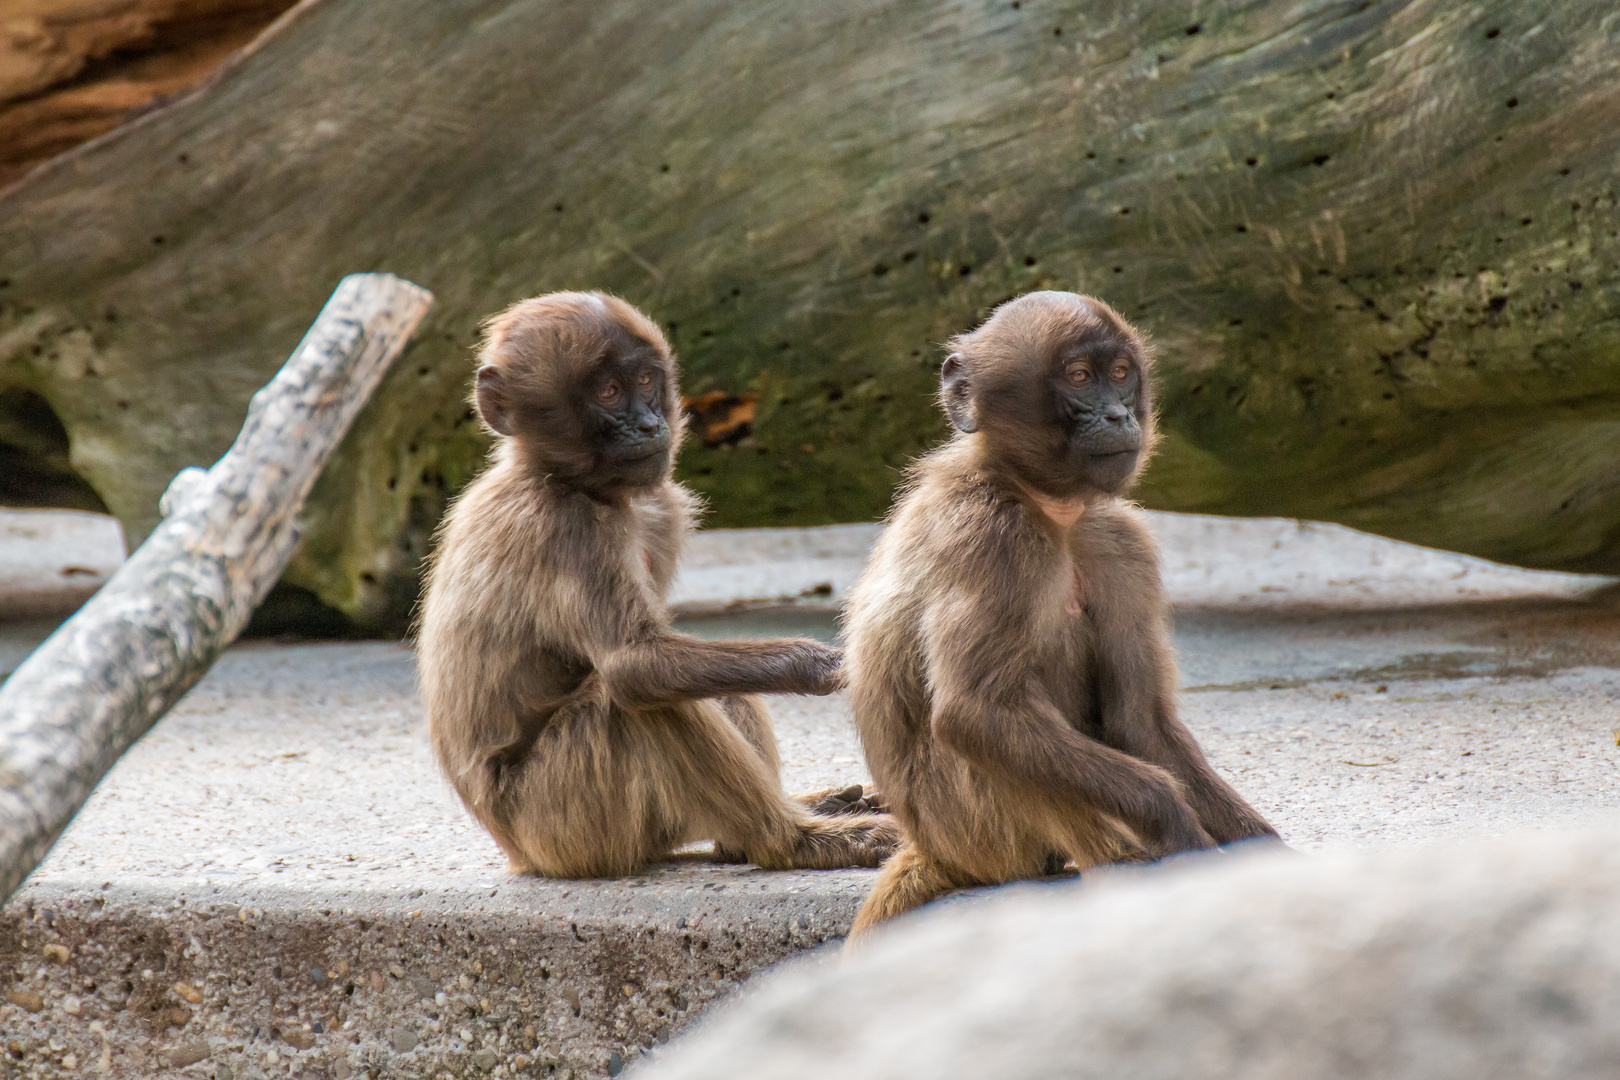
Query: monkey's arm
[668, 667]
[1136, 676]
[988, 709]
[598, 607]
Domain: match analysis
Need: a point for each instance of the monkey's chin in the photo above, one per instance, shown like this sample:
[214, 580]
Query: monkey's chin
[1110, 472]
[643, 470]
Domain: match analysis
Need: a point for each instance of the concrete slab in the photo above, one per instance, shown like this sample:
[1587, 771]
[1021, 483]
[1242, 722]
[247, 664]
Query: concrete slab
[275, 882]
[51, 561]
[1242, 563]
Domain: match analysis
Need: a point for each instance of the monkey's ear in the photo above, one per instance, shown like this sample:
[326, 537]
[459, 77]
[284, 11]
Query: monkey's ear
[957, 395]
[491, 398]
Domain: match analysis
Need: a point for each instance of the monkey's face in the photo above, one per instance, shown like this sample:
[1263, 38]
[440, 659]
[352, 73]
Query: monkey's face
[1058, 386]
[1095, 387]
[626, 398]
[584, 386]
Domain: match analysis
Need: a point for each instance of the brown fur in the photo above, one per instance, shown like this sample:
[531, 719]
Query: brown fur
[1009, 650]
[584, 734]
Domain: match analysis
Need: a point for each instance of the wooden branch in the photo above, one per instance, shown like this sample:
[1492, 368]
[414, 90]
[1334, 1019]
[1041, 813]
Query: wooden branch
[98, 683]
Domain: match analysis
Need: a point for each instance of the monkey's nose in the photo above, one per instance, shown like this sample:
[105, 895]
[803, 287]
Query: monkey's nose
[1116, 413]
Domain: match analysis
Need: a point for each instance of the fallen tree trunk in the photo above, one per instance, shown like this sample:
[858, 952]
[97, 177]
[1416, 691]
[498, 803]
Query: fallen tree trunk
[1377, 242]
[98, 683]
[73, 69]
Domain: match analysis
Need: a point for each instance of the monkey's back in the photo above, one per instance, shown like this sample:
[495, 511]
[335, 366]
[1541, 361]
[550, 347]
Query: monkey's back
[508, 596]
[909, 578]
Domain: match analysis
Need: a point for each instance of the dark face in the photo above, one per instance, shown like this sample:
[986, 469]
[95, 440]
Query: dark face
[593, 411]
[1096, 387]
[625, 399]
[1057, 384]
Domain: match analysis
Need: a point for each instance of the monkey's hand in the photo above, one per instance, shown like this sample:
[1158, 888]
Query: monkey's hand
[821, 666]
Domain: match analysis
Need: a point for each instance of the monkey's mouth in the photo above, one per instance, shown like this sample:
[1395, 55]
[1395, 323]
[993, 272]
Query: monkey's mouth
[638, 453]
[1122, 456]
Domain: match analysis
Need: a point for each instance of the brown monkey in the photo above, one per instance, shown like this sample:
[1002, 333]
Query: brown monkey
[584, 734]
[1009, 653]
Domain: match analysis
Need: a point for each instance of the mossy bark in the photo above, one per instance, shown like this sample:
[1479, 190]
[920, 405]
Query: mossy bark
[1377, 243]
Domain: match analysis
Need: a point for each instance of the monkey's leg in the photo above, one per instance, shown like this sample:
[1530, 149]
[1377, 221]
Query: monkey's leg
[749, 715]
[828, 802]
[825, 843]
[817, 842]
[596, 797]
[738, 801]
[909, 880]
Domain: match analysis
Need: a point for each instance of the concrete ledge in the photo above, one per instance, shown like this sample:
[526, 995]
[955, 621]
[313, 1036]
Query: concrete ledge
[525, 978]
[277, 882]
[1283, 563]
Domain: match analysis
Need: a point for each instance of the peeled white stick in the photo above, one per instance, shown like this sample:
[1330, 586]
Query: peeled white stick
[134, 649]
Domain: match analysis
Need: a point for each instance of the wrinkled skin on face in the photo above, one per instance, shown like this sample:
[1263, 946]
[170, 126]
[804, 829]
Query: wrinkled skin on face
[626, 398]
[584, 387]
[1056, 385]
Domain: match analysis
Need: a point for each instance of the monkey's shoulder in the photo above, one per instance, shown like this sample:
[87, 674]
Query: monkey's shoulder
[959, 529]
[503, 521]
[667, 509]
[1118, 530]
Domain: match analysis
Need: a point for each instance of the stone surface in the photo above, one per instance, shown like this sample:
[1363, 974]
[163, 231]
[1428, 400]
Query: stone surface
[1377, 245]
[286, 818]
[1260, 564]
[1493, 960]
[280, 852]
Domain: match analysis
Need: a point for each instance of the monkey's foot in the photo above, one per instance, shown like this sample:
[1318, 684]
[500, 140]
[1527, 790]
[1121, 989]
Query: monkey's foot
[1057, 865]
[854, 799]
[723, 854]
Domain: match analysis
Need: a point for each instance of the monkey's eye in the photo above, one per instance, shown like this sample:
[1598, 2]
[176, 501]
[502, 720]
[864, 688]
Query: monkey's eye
[609, 391]
[1077, 374]
[645, 378]
[1121, 372]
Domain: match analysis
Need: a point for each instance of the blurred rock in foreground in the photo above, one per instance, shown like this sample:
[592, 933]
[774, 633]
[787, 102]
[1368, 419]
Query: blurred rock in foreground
[1499, 960]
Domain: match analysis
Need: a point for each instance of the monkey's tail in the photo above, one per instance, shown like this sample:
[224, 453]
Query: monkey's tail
[909, 880]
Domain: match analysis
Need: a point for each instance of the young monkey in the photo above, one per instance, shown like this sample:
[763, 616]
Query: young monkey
[1009, 653]
[583, 733]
